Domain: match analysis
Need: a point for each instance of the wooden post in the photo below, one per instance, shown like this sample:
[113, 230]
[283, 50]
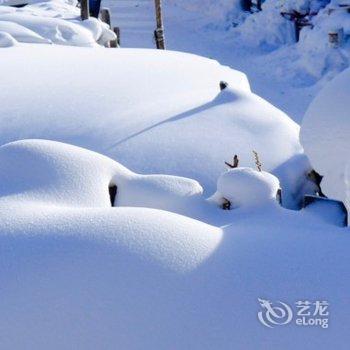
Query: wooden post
[335, 38]
[116, 43]
[258, 5]
[159, 32]
[105, 16]
[246, 5]
[84, 9]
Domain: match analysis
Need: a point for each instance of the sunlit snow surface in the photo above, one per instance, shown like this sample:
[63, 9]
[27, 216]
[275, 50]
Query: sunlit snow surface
[325, 136]
[77, 273]
[166, 268]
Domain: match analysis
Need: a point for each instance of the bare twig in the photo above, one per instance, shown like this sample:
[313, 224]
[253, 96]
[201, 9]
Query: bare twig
[257, 161]
[235, 162]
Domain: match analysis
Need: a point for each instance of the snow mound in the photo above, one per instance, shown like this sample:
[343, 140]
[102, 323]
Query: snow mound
[313, 57]
[54, 21]
[21, 33]
[246, 187]
[266, 29]
[63, 175]
[141, 111]
[68, 189]
[79, 274]
[325, 137]
[6, 40]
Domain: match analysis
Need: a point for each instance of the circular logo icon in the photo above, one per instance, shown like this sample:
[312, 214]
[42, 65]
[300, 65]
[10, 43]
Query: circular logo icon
[274, 315]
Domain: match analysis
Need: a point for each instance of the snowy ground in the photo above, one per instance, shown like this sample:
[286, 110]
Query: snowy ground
[186, 31]
[202, 28]
[150, 119]
[140, 276]
[162, 265]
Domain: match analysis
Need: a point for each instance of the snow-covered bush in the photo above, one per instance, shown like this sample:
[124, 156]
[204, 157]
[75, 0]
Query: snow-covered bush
[303, 6]
[313, 57]
[325, 136]
[317, 56]
[246, 187]
[266, 29]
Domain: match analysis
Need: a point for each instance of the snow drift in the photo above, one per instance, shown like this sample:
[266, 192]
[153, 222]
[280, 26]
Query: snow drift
[215, 10]
[246, 187]
[77, 273]
[269, 32]
[143, 103]
[325, 137]
[54, 21]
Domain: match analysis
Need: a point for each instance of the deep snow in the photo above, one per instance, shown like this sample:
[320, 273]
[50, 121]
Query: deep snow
[155, 112]
[286, 74]
[325, 137]
[52, 22]
[166, 267]
[80, 274]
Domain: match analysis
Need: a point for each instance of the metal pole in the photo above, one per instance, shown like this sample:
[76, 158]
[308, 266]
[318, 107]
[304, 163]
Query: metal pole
[159, 32]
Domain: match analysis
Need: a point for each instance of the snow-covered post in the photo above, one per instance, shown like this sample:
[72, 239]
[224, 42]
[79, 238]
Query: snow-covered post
[116, 42]
[105, 16]
[335, 37]
[159, 32]
[84, 9]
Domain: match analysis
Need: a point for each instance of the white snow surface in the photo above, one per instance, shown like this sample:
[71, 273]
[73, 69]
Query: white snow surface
[156, 112]
[216, 10]
[247, 187]
[6, 40]
[313, 58]
[166, 268]
[307, 62]
[80, 274]
[325, 137]
[53, 21]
